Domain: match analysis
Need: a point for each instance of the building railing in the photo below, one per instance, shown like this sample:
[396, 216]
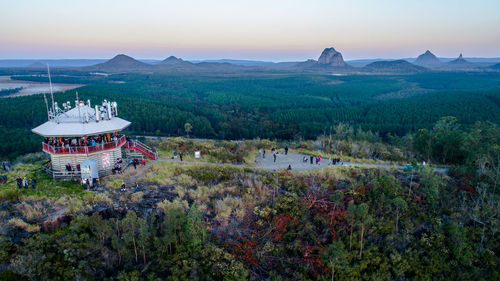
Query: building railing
[83, 149]
[142, 148]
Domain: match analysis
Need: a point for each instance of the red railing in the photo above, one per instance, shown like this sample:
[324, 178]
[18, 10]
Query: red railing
[83, 149]
[142, 148]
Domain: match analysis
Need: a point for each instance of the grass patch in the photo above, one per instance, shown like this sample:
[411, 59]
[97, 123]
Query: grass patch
[136, 196]
[17, 222]
[46, 187]
[73, 205]
[91, 197]
[11, 195]
[31, 211]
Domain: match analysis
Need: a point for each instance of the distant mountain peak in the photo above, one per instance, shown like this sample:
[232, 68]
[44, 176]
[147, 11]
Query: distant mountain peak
[427, 58]
[172, 60]
[396, 66]
[123, 59]
[37, 65]
[330, 56]
[459, 60]
[120, 62]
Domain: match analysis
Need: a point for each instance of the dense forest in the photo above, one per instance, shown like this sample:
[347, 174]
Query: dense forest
[273, 106]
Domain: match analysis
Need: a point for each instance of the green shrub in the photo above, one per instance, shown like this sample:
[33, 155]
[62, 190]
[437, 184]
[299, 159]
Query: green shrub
[11, 195]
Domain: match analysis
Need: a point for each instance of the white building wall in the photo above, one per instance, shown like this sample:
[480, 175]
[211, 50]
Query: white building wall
[59, 161]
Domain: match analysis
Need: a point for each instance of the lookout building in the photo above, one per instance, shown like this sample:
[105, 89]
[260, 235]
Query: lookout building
[86, 135]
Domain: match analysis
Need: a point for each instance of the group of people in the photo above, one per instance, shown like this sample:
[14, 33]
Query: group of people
[81, 141]
[6, 165]
[180, 154]
[25, 183]
[137, 162]
[335, 161]
[274, 151]
[69, 168]
[90, 183]
[117, 168]
[138, 187]
[312, 159]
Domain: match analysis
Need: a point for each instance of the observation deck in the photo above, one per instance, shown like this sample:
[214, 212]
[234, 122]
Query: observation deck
[87, 149]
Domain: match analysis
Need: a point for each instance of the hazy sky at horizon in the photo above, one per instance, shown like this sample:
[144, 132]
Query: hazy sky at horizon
[276, 30]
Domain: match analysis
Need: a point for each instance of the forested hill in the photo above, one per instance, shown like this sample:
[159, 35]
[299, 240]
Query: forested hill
[281, 106]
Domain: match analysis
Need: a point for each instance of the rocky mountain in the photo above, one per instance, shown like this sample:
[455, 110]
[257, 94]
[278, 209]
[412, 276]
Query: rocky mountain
[393, 67]
[331, 57]
[459, 60]
[427, 59]
[329, 60]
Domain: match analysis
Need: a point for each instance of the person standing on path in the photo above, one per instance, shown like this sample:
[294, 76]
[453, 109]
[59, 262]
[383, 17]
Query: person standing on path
[19, 182]
[33, 183]
[286, 150]
[260, 153]
[180, 155]
[311, 158]
[274, 156]
[264, 154]
[25, 183]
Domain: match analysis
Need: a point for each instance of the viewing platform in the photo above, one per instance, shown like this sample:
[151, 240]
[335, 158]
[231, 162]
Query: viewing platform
[84, 149]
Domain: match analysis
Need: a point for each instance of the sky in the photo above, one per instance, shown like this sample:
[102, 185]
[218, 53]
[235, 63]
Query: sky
[274, 30]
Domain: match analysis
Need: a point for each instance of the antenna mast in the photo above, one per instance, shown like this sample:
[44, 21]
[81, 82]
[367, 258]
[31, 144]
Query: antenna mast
[51, 93]
[47, 106]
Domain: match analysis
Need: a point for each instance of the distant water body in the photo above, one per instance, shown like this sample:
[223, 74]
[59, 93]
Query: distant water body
[33, 88]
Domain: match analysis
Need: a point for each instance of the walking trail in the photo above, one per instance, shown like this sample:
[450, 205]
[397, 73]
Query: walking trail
[297, 163]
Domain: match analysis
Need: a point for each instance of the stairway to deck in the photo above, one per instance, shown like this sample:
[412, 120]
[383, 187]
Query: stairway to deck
[135, 145]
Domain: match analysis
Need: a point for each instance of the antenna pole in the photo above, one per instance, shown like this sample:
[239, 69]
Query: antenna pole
[51, 93]
[47, 106]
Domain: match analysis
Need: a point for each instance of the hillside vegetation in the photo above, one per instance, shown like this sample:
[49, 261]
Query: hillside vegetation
[207, 221]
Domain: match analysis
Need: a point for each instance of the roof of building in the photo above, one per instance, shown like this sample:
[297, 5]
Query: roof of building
[72, 123]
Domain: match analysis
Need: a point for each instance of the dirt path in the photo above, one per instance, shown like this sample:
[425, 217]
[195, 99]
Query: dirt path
[297, 163]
